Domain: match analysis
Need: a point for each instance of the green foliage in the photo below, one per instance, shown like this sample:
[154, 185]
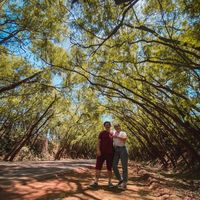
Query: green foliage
[138, 63]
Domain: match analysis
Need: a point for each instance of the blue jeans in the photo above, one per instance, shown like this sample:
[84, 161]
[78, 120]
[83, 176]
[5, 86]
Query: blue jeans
[120, 153]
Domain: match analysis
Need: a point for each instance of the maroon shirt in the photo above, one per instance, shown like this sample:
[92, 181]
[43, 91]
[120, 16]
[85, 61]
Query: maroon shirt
[106, 143]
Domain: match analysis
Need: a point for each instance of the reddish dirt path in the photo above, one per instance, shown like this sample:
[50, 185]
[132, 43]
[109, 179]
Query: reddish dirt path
[69, 180]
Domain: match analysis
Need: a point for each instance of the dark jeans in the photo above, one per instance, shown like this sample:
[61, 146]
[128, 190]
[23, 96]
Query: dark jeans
[120, 153]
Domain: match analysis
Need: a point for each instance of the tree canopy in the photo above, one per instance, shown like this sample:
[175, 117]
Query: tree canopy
[64, 66]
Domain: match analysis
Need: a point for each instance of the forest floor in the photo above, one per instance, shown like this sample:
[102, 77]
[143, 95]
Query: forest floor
[69, 180]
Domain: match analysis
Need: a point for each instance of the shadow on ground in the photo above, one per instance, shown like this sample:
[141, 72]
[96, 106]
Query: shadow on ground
[58, 180]
[69, 180]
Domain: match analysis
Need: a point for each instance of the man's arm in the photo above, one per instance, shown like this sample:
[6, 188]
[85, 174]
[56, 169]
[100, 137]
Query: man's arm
[122, 137]
[98, 148]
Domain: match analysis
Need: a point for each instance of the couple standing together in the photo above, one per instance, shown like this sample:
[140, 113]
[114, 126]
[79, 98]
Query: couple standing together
[111, 148]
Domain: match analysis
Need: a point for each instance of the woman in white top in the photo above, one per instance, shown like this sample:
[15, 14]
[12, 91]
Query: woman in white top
[120, 153]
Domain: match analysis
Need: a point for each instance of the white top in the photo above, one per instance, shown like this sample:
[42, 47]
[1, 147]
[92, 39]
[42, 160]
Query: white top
[118, 141]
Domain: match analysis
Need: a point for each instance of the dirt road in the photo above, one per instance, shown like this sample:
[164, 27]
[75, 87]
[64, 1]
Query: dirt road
[69, 180]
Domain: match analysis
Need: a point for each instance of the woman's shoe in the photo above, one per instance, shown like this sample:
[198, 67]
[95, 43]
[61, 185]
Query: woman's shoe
[122, 186]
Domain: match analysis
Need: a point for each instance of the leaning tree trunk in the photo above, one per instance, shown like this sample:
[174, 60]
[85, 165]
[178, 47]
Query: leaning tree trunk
[13, 153]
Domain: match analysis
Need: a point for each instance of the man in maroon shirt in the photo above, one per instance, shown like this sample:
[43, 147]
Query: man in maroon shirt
[104, 153]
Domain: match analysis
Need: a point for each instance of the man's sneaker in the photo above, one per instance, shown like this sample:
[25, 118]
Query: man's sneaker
[94, 185]
[122, 186]
[110, 185]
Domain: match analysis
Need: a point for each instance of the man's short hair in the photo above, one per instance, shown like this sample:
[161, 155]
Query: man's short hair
[106, 122]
